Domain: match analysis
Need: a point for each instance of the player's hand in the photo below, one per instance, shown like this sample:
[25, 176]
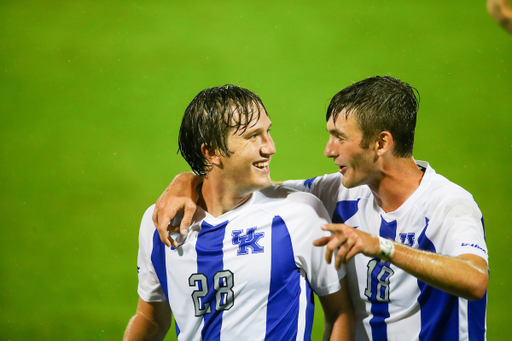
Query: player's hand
[501, 12]
[348, 242]
[180, 195]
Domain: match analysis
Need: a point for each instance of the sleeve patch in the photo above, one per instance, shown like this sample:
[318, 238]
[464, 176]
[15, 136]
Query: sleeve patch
[475, 246]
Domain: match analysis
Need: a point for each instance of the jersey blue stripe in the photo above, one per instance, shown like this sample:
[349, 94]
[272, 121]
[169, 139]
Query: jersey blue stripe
[284, 293]
[309, 182]
[345, 209]
[380, 309]
[483, 226]
[310, 312]
[380, 312]
[439, 310]
[177, 328]
[439, 314]
[476, 319]
[209, 261]
[476, 313]
[158, 260]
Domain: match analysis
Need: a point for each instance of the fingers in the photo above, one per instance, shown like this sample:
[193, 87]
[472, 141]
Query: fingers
[180, 195]
[334, 228]
[188, 214]
[166, 238]
[332, 246]
[322, 241]
[346, 251]
[347, 242]
[159, 206]
[343, 242]
[172, 242]
[162, 217]
[331, 243]
[171, 228]
[162, 225]
[156, 211]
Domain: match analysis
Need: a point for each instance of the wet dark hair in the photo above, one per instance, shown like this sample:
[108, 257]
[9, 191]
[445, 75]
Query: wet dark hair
[380, 104]
[209, 119]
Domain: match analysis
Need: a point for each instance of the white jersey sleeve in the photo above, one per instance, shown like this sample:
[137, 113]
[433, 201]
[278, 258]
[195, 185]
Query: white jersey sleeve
[457, 227]
[326, 188]
[149, 288]
[321, 276]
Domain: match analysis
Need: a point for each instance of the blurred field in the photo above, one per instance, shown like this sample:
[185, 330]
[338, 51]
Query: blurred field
[91, 98]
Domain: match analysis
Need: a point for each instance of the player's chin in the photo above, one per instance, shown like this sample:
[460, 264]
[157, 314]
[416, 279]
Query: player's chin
[348, 182]
[345, 181]
[262, 182]
[265, 183]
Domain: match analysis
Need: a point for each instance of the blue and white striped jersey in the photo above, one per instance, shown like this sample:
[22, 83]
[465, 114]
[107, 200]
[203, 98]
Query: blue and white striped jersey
[390, 304]
[246, 275]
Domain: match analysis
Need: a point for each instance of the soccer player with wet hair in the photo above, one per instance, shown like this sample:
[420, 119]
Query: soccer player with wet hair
[246, 269]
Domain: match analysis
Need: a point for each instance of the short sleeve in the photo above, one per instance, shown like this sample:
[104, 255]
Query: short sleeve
[326, 188]
[149, 288]
[304, 229]
[460, 221]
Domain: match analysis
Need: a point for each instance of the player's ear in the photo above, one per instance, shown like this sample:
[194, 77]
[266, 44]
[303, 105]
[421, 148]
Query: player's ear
[211, 155]
[384, 142]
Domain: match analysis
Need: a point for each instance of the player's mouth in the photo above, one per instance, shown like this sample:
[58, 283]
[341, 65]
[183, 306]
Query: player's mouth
[262, 166]
[342, 169]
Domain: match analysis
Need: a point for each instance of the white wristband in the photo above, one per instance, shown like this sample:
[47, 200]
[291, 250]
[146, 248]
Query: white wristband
[387, 249]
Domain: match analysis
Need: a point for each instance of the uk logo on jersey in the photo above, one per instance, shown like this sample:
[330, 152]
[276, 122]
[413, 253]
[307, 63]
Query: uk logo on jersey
[407, 238]
[247, 241]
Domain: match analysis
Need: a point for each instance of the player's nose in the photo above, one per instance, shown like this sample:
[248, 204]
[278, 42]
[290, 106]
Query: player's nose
[268, 147]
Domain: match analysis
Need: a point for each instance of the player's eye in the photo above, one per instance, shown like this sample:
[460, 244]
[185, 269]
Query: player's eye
[338, 137]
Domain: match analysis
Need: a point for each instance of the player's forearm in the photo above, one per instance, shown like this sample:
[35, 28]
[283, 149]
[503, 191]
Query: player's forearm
[341, 330]
[141, 328]
[339, 315]
[467, 278]
[186, 181]
[327, 332]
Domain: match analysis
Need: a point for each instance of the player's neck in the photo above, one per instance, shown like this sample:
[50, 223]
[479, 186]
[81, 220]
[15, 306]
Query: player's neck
[401, 178]
[219, 197]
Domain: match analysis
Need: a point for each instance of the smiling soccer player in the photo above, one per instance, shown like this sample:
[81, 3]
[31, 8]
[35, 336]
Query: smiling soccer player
[247, 268]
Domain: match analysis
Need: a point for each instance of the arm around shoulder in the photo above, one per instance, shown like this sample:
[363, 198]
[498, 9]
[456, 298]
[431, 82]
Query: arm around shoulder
[180, 195]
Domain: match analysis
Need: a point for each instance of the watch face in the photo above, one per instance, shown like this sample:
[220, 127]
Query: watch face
[386, 249]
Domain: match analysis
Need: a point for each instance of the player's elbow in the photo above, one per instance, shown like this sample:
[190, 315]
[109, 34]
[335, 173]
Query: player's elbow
[478, 287]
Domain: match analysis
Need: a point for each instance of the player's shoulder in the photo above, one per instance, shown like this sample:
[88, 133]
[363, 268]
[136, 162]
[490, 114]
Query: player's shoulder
[330, 181]
[442, 192]
[282, 192]
[149, 212]
[147, 228]
[442, 187]
[327, 178]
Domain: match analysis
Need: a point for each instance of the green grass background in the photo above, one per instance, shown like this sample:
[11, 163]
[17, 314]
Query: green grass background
[91, 98]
